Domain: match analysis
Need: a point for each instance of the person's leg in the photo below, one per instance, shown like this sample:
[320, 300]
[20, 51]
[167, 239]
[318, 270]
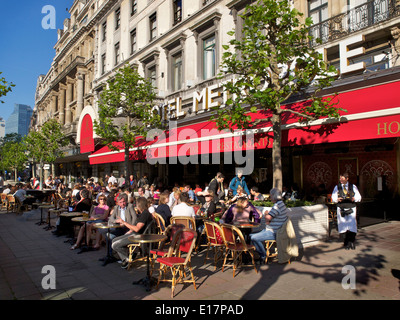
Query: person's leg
[120, 245]
[258, 239]
[79, 238]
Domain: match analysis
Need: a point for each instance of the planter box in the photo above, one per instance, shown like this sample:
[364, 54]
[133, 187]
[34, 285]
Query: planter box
[310, 223]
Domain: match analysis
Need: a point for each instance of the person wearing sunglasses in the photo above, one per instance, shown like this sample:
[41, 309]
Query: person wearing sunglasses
[98, 213]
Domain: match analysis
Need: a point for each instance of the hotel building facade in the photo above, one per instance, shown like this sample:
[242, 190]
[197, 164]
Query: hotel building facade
[178, 45]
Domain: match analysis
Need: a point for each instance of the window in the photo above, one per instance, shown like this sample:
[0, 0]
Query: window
[177, 11]
[153, 26]
[150, 65]
[318, 11]
[206, 34]
[209, 57]
[117, 53]
[152, 76]
[133, 7]
[177, 72]
[117, 18]
[103, 63]
[104, 29]
[133, 41]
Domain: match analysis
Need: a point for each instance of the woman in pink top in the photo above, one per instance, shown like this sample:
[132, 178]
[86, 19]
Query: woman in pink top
[98, 213]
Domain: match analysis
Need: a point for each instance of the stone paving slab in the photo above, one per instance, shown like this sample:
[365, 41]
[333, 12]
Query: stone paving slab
[25, 248]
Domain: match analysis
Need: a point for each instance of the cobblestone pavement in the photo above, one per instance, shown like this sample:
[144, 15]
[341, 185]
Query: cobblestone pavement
[25, 248]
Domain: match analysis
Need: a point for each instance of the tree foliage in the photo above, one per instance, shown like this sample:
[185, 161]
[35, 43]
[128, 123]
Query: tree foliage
[44, 146]
[269, 63]
[5, 87]
[126, 110]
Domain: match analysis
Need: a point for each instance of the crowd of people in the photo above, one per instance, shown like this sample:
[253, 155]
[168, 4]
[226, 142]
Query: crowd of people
[130, 203]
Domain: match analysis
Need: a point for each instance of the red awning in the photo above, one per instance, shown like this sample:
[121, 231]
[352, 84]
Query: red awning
[372, 112]
[107, 155]
[86, 136]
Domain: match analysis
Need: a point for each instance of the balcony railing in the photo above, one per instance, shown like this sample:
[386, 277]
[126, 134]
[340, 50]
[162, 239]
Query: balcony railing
[357, 18]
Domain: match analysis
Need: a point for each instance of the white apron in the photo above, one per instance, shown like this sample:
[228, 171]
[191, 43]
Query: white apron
[347, 223]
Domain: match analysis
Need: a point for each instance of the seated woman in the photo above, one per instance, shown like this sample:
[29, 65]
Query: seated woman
[243, 211]
[275, 218]
[163, 208]
[98, 213]
[240, 193]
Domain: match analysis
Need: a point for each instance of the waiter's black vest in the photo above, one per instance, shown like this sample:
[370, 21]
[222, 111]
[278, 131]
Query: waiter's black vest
[346, 202]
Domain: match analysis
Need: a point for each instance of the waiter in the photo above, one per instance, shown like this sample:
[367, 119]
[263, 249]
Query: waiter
[346, 195]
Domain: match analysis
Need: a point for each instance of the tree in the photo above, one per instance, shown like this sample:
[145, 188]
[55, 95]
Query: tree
[270, 63]
[5, 142]
[14, 156]
[44, 146]
[126, 112]
[5, 87]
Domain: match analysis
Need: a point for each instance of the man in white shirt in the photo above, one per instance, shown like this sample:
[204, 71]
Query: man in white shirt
[112, 179]
[346, 195]
[183, 209]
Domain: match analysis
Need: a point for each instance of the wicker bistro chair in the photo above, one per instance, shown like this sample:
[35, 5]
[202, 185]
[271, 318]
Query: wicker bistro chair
[132, 247]
[236, 248]
[269, 244]
[183, 242]
[215, 239]
[159, 222]
[4, 201]
[163, 247]
[188, 222]
[12, 205]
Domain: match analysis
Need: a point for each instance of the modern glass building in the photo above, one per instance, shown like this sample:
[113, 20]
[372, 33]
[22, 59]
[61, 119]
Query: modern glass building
[19, 120]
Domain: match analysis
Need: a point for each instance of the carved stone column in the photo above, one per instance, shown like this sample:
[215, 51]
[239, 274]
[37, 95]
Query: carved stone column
[61, 107]
[68, 100]
[79, 93]
[395, 44]
[53, 104]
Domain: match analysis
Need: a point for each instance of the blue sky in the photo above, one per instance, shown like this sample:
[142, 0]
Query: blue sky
[26, 49]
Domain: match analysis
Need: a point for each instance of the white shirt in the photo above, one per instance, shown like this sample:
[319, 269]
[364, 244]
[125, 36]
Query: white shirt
[123, 213]
[112, 179]
[357, 195]
[183, 209]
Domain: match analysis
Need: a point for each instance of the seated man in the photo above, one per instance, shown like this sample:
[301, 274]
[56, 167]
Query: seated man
[257, 195]
[183, 209]
[123, 211]
[21, 194]
[144, 218]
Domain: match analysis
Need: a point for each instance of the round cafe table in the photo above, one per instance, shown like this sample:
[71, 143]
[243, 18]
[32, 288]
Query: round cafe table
[147, 281]
[47, 206]
[245, 227]
[83, 219]
[104, 225]
[53, 210]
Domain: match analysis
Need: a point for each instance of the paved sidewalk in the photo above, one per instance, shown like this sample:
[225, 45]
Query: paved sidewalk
[25, 248]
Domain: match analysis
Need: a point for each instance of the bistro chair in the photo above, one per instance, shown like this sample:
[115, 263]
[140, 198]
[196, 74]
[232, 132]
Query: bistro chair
[269, 244]
[215, 239]
[159, 222]
[132, 247]
[11, 203]
[163, 247]
[4, 201]
[19, 207]
[188, 222]
[183, 241]
[236, 248]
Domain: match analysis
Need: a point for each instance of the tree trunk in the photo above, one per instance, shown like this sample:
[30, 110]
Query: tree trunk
[277, 152]
[126, 166]
[41, 175]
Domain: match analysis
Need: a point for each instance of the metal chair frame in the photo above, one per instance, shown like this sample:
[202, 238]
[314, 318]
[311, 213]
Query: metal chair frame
[184, 241]
[236, 246]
